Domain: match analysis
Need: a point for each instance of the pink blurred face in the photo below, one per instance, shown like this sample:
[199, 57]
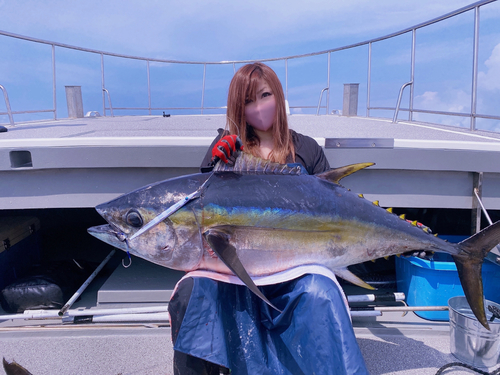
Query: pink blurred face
[260, 112]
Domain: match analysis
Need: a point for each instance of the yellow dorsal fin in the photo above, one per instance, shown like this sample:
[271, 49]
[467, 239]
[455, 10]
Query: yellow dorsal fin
[376, 203]
[361, 195]
[414, 223]
[337, 174]
[389, 210]
[402, 217]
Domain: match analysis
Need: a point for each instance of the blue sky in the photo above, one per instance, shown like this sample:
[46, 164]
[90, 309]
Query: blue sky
[246, 30]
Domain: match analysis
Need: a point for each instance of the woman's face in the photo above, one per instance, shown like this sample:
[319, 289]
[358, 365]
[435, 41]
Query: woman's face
[260, 112]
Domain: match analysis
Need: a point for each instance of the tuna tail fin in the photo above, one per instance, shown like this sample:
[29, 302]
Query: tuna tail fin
[336, 174]
[469, 262]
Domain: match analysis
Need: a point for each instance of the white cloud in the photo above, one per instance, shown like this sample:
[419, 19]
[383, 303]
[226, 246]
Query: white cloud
[451, 101]
[490, 79]
[457, 101]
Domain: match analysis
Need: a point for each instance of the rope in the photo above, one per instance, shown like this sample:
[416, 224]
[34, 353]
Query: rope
[453, 364]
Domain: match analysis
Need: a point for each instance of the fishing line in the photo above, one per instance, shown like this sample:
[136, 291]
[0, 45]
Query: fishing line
[236, 126]
[128, 254]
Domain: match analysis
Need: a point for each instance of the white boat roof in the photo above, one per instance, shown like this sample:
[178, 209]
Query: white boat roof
[85, 161]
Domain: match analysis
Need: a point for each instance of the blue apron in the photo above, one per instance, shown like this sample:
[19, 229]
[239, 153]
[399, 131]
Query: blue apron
[228, 325]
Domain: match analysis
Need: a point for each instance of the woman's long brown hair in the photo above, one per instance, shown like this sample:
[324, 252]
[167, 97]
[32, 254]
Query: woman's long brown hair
[243, 86]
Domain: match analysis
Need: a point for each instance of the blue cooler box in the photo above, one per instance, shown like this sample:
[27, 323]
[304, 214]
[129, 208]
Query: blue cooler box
[434, 282]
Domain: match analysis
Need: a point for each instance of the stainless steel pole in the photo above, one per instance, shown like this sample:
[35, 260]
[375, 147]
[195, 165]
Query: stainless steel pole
[328, 86]
[368, 84]
[203, 88]
[412, 74]
[286, 80]
[149, 89]
[474, 70]
[85, 284]
[103, 86]
[54, 95]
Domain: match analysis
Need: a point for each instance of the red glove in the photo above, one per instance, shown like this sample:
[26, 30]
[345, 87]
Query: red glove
[226, 147]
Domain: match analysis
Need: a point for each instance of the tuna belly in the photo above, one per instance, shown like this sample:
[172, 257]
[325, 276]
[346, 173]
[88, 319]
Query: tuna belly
[264, 251]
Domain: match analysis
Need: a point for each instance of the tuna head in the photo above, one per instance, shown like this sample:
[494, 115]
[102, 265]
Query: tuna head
[174, 243]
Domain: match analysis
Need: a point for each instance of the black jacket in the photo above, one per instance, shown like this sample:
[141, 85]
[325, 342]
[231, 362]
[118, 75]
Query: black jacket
[307, 152]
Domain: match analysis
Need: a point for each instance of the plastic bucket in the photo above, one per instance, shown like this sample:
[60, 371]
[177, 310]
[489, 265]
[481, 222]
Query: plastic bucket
[470, 342]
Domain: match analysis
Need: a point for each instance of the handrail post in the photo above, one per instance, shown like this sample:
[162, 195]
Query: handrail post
[321, 98]
[203, 88]
[7, 104]
[149, 88]
[395, 118]
[474, 70]
[368, 79]
[103, 87]
[286, 80]
[412, 73]
[109, 100]
[328, 85]
[54, 96]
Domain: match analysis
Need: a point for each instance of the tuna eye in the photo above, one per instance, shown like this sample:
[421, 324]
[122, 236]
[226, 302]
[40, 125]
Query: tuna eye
[134, 219]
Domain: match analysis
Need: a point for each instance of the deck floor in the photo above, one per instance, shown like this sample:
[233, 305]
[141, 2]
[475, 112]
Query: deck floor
[206, 126]
[391, 344]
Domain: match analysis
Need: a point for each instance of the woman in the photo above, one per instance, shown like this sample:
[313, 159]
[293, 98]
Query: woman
[222, 323]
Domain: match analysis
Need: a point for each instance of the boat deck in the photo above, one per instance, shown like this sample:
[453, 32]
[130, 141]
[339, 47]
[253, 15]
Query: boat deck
[79, 163]
[391, 343]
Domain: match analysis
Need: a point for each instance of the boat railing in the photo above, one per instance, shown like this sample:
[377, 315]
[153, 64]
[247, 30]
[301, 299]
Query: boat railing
[7, 104]
[398, 104]
[320, 99]
[109, 101]
[472, 114]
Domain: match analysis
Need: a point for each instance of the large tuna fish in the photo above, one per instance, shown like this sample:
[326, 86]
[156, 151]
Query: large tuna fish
[259, 218]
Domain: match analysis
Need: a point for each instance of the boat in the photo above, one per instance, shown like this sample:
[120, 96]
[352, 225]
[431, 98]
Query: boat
[58, 169]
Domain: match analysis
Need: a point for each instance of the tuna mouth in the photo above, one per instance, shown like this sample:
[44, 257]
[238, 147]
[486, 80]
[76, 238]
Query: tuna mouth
[107, 230]
[122, 237]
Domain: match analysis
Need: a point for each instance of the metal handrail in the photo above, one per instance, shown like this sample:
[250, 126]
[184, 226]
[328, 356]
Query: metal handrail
[395, 118]
[321, 98]
[474, 6]
[7, 105]
[109, 101]
[444, 113]
[388, 36]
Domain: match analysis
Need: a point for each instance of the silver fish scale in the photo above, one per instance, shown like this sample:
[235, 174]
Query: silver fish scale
[248, 164]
